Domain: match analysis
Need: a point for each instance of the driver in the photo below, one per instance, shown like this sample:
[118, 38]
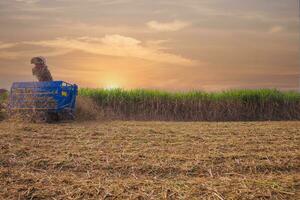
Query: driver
[40, 69]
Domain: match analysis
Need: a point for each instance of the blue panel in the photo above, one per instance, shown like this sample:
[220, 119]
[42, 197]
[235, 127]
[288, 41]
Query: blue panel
[54, 96]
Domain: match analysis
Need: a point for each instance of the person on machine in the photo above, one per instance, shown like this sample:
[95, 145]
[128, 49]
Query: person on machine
[42, 73]
[40, 70]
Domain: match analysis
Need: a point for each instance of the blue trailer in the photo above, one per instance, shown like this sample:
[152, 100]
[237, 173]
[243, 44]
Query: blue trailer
[56, 98]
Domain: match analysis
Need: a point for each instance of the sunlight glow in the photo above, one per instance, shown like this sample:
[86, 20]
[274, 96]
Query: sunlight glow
[111, 87]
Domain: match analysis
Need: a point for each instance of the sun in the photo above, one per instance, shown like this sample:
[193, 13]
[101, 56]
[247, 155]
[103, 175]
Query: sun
[111, 81]
[111, 86]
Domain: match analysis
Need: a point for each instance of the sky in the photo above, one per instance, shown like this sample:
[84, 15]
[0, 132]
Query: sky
[180, 45]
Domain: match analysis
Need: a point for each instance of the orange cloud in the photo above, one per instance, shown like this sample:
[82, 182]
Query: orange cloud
[276, 29]
[167, 26]
[28, 1]
[115, 45]
[4, 45]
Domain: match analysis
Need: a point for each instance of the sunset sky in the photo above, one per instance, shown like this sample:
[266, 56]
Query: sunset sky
[160, 44]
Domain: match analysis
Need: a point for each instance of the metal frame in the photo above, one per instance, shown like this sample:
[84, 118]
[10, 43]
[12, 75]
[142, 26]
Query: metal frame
[40, 90]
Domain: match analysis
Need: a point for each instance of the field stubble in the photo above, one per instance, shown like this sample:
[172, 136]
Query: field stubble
[149, 160]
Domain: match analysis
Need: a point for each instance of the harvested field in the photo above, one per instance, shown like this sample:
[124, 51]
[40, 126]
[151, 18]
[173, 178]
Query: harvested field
[150, 160]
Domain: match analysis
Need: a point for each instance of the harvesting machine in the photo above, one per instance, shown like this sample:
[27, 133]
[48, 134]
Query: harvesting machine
[55, 100]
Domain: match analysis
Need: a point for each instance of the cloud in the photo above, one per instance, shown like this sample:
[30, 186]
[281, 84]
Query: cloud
[276, 29]
[4, 54]
[109, 45]
[8, 55]
[167, 26]
[28, 1]
[7, 51]
[113, 2]
[115, 45]
[4, 45]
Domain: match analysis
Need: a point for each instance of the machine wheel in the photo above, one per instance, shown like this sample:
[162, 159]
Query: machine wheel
[67, 115]
[52, 117]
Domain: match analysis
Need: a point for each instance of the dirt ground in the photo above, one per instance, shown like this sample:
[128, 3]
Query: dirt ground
[150, 160]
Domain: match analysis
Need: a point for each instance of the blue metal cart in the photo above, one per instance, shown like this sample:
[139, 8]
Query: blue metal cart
[55, 97]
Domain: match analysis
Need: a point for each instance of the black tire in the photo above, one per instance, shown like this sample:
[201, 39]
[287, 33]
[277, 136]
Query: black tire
[52, 118]
[67, 115]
